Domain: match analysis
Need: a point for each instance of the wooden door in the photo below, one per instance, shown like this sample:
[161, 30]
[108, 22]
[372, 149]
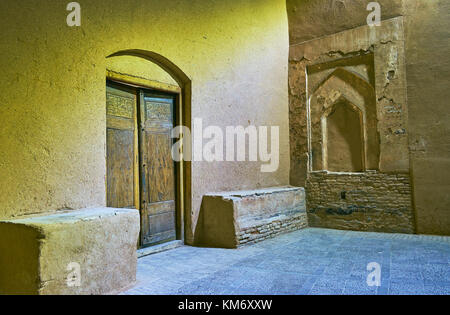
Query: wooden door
[122, 158]
[158, 206]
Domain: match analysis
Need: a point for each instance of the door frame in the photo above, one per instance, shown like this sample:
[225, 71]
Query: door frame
[180, 167]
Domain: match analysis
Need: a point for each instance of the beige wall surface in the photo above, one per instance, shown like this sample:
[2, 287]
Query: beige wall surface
[427, 28]
[139, 68]
[52, 96]
[310, 19]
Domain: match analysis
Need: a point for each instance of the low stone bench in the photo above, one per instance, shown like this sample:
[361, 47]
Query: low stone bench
[49, 254]
[232, 219]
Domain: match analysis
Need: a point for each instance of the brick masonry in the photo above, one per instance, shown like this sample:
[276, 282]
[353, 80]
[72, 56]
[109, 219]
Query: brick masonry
[232, 219]
[369, 201]
[268, 230]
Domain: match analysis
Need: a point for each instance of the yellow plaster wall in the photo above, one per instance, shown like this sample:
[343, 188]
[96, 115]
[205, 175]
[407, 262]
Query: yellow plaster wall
[139, 68]
[52, 96]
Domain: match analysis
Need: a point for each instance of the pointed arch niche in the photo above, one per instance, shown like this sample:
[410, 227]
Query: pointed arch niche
[343, 122]
[343, 149]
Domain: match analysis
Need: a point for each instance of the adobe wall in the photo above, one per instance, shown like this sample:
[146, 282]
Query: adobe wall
[426, 127]
[365, 68]
[427, 29]
[52, 113]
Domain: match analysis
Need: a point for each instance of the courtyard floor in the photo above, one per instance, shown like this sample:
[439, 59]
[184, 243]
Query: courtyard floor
[310, 261]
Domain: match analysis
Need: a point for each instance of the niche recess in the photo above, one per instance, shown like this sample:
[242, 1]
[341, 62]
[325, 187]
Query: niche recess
[342, 115]
[343, 138]
[348, 129]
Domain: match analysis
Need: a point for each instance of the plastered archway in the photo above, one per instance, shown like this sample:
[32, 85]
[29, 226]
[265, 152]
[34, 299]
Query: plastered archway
[183, 114]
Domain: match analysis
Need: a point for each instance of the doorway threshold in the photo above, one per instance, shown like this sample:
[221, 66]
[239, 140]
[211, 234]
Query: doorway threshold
[159, 248]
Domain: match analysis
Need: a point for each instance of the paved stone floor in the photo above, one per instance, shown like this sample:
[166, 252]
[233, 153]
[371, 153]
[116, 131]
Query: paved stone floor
[310, 261]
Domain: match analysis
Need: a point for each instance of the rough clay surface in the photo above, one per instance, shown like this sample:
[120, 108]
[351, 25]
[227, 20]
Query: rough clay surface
[427, 27]
[310, 19]
[36, 252]
[233, 219]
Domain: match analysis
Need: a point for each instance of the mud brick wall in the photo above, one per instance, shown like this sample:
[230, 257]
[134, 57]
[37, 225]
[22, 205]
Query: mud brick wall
[232, 219]
[369, 201]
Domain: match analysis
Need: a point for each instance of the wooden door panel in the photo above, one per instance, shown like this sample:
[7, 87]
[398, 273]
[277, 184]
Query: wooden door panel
[161, 223]
[160, 207]
[120, 168]
[159, 167]
[120, 124]
[121, 148]
[154, 239]
[157, 170]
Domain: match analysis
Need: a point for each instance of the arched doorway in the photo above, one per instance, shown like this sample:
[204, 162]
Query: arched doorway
[147, 96]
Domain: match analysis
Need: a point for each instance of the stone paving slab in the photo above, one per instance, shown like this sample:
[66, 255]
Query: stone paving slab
[310, 261]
